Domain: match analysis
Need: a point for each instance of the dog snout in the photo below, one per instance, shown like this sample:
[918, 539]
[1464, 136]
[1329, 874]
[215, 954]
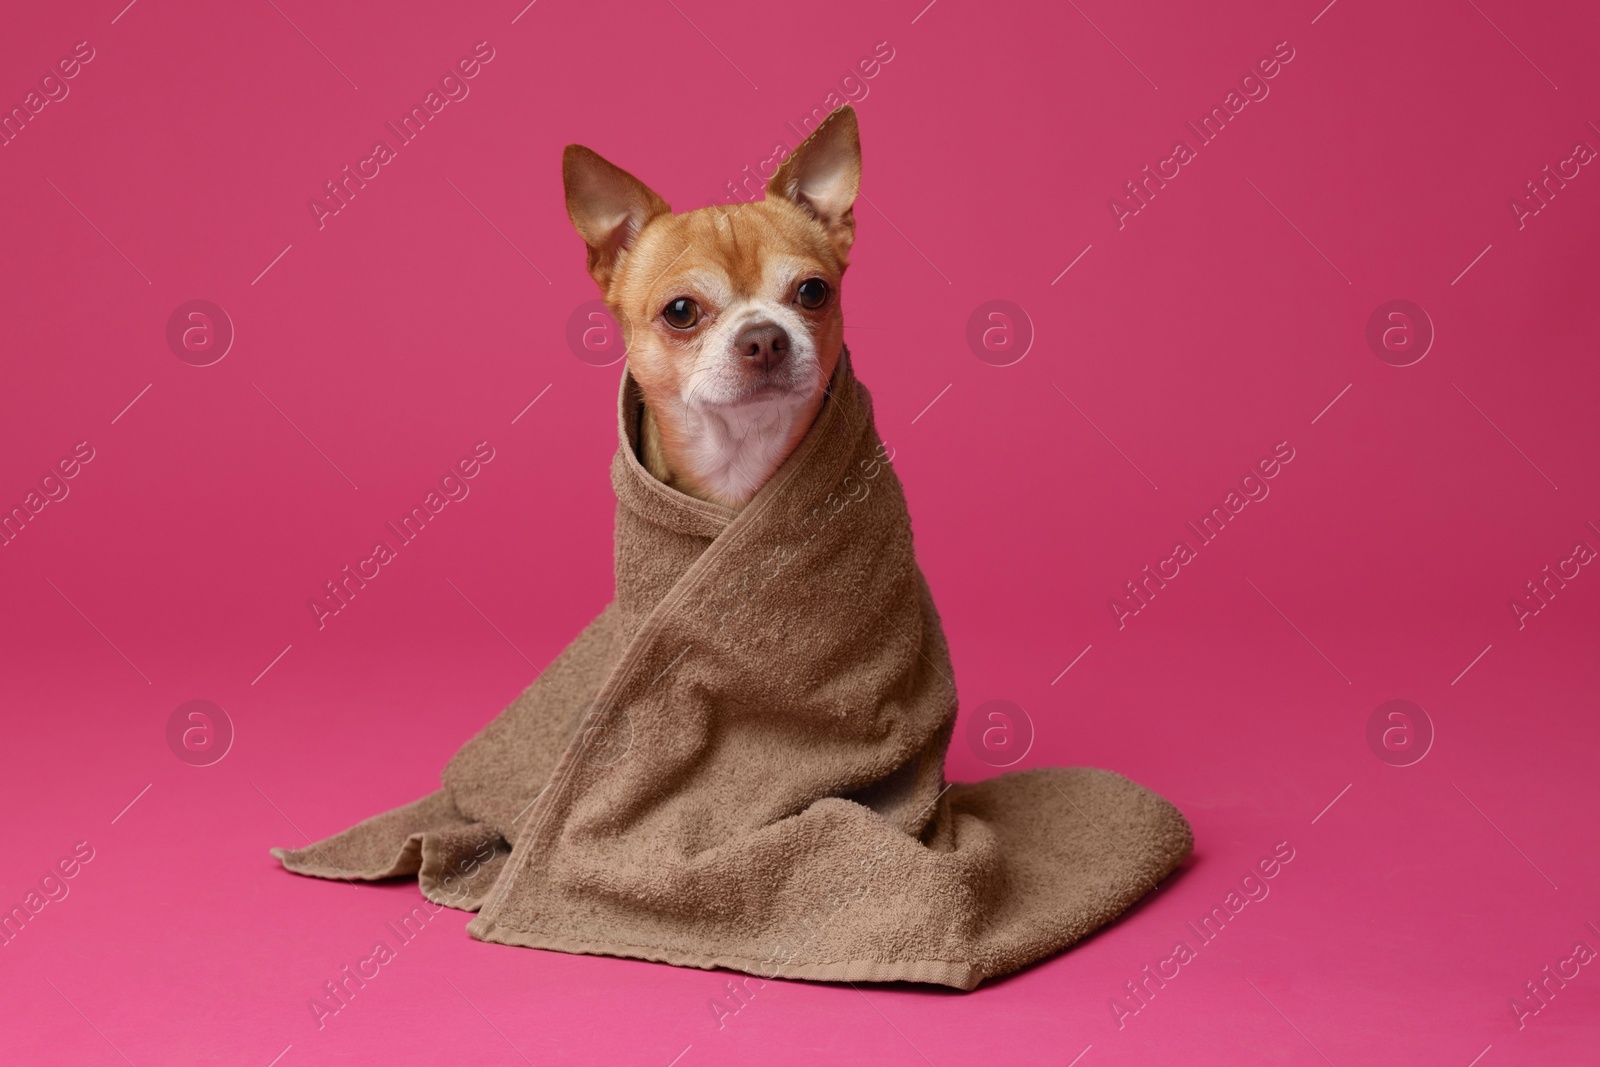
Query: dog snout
[762, 346]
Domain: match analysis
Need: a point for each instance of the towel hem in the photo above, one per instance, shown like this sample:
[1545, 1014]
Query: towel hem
[953, 973]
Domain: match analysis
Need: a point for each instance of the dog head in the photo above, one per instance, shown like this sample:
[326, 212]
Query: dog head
[730, 314]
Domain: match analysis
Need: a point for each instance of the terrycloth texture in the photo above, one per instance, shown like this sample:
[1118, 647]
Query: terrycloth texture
[740, 763]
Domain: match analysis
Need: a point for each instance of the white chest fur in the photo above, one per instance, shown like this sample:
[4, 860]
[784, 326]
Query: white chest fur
[734, 449]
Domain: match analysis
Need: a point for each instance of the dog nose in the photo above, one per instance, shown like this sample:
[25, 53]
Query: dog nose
[763, 345]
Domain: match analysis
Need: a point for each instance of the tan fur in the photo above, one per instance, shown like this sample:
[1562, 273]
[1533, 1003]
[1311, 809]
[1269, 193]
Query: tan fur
[741, 264]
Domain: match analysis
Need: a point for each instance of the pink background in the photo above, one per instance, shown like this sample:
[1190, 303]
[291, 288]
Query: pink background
[1222, 319]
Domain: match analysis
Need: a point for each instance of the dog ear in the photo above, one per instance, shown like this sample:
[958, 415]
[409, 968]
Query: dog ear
[823, 176]
[608, 207]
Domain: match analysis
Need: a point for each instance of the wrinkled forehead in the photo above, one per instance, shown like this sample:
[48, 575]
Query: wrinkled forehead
[724, 254]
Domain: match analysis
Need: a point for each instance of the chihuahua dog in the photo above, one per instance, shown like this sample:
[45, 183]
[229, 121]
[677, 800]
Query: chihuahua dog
[730, 314]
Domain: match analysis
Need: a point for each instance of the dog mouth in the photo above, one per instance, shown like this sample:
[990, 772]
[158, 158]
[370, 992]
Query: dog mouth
[757, 392]
[788, 383]
[765, 388]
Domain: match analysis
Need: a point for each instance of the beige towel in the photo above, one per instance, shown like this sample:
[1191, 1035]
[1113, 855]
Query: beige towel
[740, 763]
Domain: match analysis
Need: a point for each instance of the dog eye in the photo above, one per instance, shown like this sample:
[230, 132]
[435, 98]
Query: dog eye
[682, 313]
[813, 293]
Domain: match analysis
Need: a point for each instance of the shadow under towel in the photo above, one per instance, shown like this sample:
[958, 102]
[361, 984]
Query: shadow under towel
[740, 763]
